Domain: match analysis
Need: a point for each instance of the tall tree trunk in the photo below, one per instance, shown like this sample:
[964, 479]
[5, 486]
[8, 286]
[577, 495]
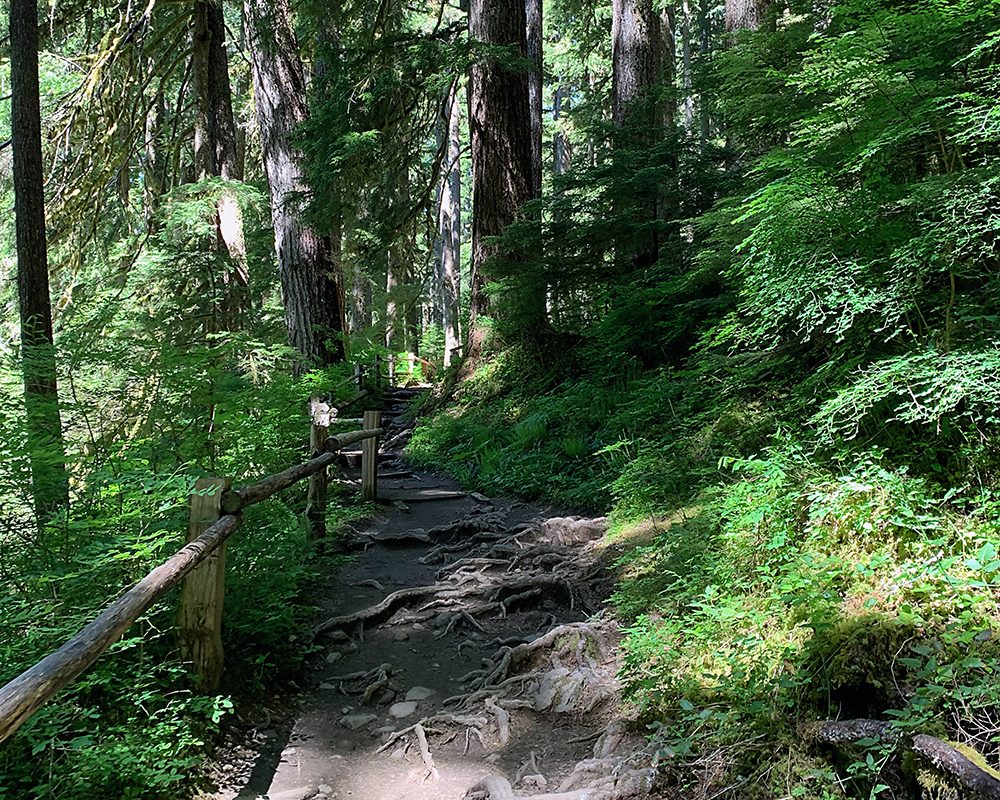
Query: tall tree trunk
[399, 267]
[533, 11]
[450, 226]
[309, 283]
[411, 316]
[562, 150]
[228, 165]
[202, 87]
[226, 162]
[394, 279]
[636, 54]
[704, 54]
[668, 27]
[501, 142]
[154, 164]
[686, 66]
[745, 15]
[50, 490]
[562, 162]
[361, 300]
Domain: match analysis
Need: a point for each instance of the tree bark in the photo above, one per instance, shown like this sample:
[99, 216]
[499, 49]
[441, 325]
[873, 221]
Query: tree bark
[228, 165]
[637, 58]
[562, 150]
[501, 141]
[668, 29]
[533, 11]
[394, 279]
[686, 66]
[704, 55]
[361, 300]
[745, 15]
[199, 68]
[309, 283]
[636, 54]
[450, 225]
[154, 165]
[226, 162]
[50, 490]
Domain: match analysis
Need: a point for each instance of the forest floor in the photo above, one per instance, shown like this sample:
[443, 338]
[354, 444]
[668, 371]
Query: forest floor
[466, 652]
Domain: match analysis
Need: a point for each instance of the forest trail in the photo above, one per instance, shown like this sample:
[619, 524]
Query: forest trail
[465, 653]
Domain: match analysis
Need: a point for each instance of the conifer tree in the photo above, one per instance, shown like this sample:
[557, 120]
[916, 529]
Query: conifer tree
[311, 289]
[499, 122]
[48, 475]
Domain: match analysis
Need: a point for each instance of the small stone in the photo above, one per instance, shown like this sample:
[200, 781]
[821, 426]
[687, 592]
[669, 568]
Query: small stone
[419, 693]
[418, 626]
[535, 782]
[493, 758]
[338, 636]
[334, 656]
[387, 698]
[401, 636]
[400, 710]
[327, 686]
[480, 498]
[325, 788]
[355, 721]
[346, 709]
[435, 666]
[300, 793]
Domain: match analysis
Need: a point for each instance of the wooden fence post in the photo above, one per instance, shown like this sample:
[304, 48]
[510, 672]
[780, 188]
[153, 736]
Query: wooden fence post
[199, 618]
[319, 432]
[369, 458]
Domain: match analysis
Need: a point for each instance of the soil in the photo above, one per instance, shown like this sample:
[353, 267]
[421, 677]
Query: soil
[496, 679]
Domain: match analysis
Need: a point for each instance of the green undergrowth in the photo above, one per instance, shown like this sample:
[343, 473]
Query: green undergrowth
[133, 726]
[773, 568]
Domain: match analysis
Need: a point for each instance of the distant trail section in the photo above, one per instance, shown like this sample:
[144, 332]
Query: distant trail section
[466, 653]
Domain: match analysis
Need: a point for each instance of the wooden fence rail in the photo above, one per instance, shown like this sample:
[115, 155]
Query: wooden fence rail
[24, 695]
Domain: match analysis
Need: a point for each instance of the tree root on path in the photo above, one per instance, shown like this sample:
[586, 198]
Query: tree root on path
[577, 634]
[625, 784]
[367, 683]
[379, 611]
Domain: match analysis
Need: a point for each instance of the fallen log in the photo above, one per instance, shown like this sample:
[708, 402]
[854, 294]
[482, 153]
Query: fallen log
[951, 761]
[943, 757]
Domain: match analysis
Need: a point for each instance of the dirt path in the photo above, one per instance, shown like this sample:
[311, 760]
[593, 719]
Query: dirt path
[465, 653]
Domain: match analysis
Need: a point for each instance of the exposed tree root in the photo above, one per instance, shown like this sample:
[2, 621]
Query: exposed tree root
[379, 611]
[368, 684]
